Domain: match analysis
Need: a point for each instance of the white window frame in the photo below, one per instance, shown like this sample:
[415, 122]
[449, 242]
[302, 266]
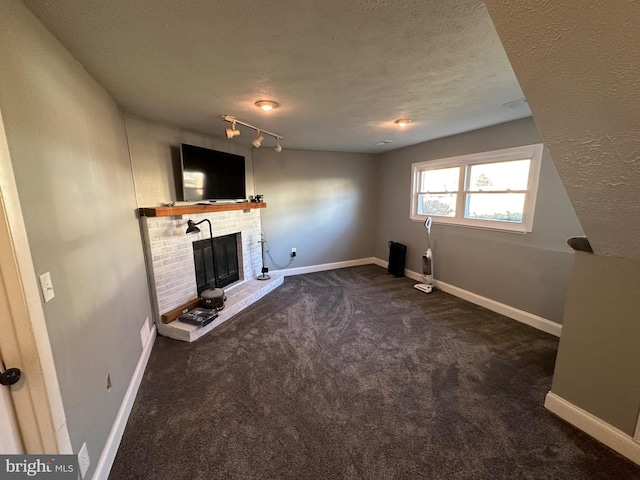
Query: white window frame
[531, 152]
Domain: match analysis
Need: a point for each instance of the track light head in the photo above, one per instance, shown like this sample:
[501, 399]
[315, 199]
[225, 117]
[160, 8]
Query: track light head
[278, 147]
[258, 140]
[232, 132]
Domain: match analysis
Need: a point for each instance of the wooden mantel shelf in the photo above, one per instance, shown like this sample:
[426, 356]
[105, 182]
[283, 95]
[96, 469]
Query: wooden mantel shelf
[189, 209]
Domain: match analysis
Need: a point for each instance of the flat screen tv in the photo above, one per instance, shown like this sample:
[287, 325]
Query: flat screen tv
[211, 175]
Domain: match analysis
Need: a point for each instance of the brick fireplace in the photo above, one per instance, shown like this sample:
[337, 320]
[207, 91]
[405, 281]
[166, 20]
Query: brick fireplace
[171, 269]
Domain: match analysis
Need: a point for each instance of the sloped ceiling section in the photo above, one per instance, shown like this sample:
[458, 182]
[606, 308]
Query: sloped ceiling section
[578, 64]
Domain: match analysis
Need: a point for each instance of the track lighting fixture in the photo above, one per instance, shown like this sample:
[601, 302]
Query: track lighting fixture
[257, 142]
[232, 132]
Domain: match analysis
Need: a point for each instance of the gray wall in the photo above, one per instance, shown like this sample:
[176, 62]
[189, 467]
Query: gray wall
[68, 149]
[529, 272]
[155, 159]
[322, 203]
[598, 363]
[340, 206]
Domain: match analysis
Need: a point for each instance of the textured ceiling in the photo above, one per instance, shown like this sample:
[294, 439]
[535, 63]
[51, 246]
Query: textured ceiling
[579, 66]
[341, 71]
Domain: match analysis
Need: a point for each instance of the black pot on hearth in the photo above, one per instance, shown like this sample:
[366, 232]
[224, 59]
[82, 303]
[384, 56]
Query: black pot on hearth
[213, 298]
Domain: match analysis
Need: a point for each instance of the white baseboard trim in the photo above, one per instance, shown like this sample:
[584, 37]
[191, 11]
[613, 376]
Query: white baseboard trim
[325, 266]
[113, 441]
[380, 262]
[520, 315]
[590, 424]
[413, 275]
[516, 314]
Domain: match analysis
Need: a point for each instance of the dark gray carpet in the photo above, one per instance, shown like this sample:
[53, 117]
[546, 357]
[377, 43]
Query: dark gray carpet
[354, 374]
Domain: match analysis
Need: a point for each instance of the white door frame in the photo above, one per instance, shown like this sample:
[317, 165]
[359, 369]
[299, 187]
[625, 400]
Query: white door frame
[24, 339]
[10, 437]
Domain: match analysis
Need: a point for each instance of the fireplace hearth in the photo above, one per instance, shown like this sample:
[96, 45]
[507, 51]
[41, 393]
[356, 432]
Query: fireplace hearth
[171, 263]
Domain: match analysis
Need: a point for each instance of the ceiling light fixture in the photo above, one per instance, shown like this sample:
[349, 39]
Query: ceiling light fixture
[266, 105]
[403, 122]
[232, 132]
[258, 140]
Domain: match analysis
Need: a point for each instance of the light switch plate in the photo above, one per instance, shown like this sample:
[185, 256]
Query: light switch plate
[83, 460]
[47, 287]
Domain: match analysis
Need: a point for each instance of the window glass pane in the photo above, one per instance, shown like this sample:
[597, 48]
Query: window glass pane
[437, 205]
[505, 207]
[440, 180]
[512, 175]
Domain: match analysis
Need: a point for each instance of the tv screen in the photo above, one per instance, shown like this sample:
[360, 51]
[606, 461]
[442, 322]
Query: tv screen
[211, 175]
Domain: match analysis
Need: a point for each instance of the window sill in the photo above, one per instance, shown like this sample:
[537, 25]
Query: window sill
[504, 227]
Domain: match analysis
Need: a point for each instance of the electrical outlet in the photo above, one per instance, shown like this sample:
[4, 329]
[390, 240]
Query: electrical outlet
[83, 460]
[293, 252]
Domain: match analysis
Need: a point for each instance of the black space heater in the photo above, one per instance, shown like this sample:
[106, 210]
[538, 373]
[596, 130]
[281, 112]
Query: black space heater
[397, 255]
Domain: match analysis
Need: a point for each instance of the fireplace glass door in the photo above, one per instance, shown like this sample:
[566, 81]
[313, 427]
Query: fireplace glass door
[225, 254]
